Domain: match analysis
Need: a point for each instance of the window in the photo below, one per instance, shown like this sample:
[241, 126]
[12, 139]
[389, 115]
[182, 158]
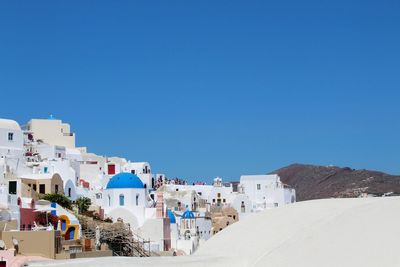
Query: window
[12, 188]
[243, 207]
[42, 189]
[109, 201]
[121, 200]
[219, 195]
[69, 192]
[10, 136]
[56, 188]
[258, 186]
[137, 199]
[34, 187]
[133, 171]
[213, 200]
[46, 169]
[224, 200]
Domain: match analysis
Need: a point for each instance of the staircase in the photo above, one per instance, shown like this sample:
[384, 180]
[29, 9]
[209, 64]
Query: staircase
[119, 237]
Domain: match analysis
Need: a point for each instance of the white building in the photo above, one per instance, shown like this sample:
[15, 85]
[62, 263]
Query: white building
[51, 131]
[266, 191]
[44, 158]
[188, 239]
[241, 203]
[11, 146]
[219, 194]
[126, 198]
[93, 170]
[116, 165]
[142, 170]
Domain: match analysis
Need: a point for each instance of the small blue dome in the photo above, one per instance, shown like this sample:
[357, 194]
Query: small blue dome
[124, 180]
[188, 215]
[171, 216]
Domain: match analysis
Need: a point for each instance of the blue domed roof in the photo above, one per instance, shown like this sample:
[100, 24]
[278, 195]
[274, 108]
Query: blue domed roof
[124, 180]
[188, 215]
[171, 216]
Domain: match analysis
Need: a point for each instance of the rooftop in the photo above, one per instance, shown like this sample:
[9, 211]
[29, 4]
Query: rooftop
[9, 124]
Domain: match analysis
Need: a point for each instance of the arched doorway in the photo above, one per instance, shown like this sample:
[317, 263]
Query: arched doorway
[70, 234]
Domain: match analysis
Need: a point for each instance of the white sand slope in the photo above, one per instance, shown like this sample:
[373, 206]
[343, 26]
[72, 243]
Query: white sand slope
[331, 232]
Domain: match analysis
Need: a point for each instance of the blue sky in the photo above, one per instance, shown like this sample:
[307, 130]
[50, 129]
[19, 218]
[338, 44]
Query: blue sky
[207, 88]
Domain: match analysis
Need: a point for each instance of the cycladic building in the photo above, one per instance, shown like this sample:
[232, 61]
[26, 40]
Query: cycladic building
[51, 131]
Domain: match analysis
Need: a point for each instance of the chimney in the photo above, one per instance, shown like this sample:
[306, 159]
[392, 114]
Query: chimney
[160, 205]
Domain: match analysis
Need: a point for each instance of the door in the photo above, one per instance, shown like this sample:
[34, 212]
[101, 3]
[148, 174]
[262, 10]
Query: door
[111, 169]
[42, 189]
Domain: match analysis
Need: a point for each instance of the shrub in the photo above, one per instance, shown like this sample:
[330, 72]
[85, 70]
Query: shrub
[61, 200]
[83, 204]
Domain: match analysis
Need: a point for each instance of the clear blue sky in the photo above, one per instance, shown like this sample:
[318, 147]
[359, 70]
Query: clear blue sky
[207, 88]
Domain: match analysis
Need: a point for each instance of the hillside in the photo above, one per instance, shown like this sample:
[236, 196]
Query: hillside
[314, 182]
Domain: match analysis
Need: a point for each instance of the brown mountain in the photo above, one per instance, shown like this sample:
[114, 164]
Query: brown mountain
[313, 182]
